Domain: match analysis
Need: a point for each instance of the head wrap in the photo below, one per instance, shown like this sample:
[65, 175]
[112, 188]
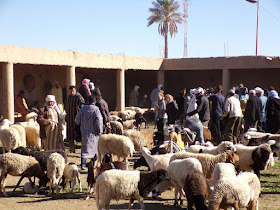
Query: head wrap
[136, 87]
[160, 86]
[86, 83]
[259, 90]
[273, 94]
[252, 92]
[231, 91]
[50, 98]
[92, 85]
[200, 90]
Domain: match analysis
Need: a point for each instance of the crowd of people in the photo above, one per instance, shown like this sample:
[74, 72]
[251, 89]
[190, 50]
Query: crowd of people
[87, 113]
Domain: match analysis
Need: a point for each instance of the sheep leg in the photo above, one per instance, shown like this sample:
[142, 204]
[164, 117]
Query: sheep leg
[19, 181]
[176, 196]
[180, 198]
[3, 186]
[80, 183]
[141, 202]
[126, 163]
[131, 200]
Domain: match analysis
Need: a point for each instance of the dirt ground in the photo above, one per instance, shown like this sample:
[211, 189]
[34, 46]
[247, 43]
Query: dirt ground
[21, 201]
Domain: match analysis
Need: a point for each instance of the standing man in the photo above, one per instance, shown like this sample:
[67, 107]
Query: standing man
[103, 107]
[273, 112]
[154, 95]
[183, 102]
[203, 109]
[233, 109]
[72, 107]
[218, 107]
[134, 96]
[263, 100]
[90, 121]
[57, 92]
[252, 112]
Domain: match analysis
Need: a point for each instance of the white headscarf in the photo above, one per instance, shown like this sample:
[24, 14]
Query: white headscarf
[52, 98]
[92, 86]
[160, 86]
[259, 90]
[200, 90]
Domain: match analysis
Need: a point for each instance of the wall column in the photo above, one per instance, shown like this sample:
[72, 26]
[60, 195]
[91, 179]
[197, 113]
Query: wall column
[71, 76]
[8, 91]
[226, 81]
[120, 90]
[160, 77]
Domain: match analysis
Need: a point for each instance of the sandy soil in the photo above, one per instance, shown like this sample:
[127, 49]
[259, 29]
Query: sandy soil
[21, 201]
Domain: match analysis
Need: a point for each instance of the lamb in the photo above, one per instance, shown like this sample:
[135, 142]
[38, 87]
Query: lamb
[71, 173]
[208, 161]
[178, 169]
[9, 136]
[112, 185]
[222, 147]
[195, 188]
[139, 120]
[19, 165]
[240, 192]
[156, 162]
[21, 132]
[136, 137]
[115, 127]
[55, 169]
[128, 124]
[223, 170]
[253, 158]
[118, 145]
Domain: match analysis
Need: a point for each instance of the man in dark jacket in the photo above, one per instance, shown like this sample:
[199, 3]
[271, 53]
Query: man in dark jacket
[182, 101]
[203, 109]
[253, 111]
[103, 107]
[273, 112]
[218, 107]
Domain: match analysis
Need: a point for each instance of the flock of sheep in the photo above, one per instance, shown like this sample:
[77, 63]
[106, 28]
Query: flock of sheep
[219, 176]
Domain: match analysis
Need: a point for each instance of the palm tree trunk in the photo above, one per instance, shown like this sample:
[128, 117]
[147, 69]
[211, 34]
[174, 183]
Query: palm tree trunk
[166, 41]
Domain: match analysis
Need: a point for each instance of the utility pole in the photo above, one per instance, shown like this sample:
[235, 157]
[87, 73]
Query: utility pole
[186, 8]
[257, 33]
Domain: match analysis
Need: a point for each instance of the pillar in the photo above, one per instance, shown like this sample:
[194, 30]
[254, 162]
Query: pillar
[71, 76]
[8, 91]
[120, 90]
[226, 81]
[160, 77]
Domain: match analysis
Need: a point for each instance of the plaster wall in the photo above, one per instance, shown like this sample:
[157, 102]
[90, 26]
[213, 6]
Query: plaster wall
[103, 79]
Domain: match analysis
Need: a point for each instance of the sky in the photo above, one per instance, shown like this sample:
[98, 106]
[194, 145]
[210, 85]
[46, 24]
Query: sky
[215, 28]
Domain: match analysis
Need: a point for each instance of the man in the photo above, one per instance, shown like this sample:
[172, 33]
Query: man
[154, 95]
[90, 121]
[103, 107]
[233, 109]
[218, 107]
[252, 112]
[72, 107]
[273, 112]
[20, 104]
[182, 101]
[134, 96]
[263, 100]
[57, 92]
[202, 107]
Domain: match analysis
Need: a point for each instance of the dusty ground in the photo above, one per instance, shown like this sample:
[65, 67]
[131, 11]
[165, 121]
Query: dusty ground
[21, 201]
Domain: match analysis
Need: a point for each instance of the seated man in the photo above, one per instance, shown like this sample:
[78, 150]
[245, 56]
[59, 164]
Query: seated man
[194, 124]
[20, 104]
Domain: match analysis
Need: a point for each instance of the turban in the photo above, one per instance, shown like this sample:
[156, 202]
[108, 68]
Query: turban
[50, 98]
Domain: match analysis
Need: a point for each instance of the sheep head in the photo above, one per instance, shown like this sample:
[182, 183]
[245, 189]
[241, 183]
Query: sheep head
[231, 157]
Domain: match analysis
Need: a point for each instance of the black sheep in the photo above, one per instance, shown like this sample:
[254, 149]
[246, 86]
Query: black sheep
[139, 119]
[195, 188]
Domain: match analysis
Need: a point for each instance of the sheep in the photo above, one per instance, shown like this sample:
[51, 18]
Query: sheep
[136, 109]
[139, 120]
[21, 132]
[150, 115]
[71, 173]
[115, 127]
[254, 158]
[205, 144]
[19, 165]
[114, 118]
[9, 136]
[136, 137]
[118, 145]
[240, 192]
[112, 185]
[127, 114]
[128, 124]
[156, 162]
[223, 170]
[222, 147]
[196, 188]
[208, 161]
[178, 169]
[55, 169]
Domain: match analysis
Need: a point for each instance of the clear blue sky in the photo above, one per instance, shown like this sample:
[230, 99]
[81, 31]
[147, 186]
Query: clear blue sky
[120, 27]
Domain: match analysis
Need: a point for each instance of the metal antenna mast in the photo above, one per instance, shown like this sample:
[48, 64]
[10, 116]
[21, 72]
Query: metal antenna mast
[186, 7]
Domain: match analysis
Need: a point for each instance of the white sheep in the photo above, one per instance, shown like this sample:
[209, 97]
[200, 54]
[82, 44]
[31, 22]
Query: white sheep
[222, 147]
[118, 145]
[19, 165]
[118, 184]
[156, 162]
[9, 136]
[178, 169]
[137, 138]
[114, 118]
[21, 132]
[206, 144]
[115, 127]
[71, 173]
[253, 158]
[223, 170]
[129, 124]
[208, 161]
[55, 169]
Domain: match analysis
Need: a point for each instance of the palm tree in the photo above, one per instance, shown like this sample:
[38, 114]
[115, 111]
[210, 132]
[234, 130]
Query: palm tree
[165, 14]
